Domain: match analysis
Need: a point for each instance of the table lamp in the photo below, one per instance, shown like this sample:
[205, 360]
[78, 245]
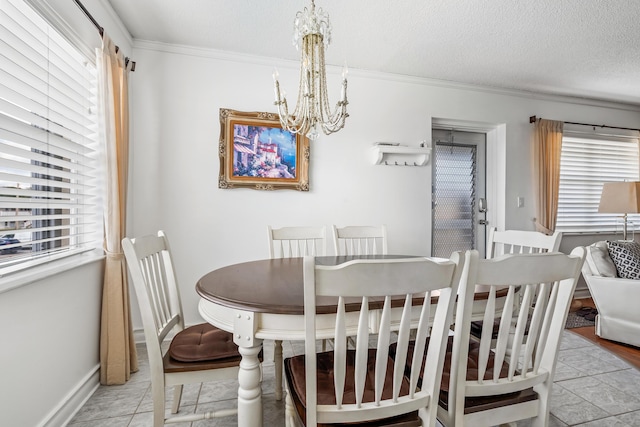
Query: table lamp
[622, 198]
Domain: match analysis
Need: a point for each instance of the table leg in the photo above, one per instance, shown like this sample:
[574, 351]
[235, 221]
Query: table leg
[249, 390]
[277, 358]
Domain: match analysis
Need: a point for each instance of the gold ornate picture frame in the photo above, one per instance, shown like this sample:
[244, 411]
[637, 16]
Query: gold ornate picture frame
[256, 152]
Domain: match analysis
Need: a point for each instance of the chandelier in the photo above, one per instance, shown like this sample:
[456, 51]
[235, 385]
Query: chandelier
[313, 29]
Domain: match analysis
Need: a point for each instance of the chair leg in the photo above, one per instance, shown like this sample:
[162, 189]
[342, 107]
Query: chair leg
[544, 402]
[428, 416]
[177, 396]
[157, 394]
[277, 359]
[290, 415]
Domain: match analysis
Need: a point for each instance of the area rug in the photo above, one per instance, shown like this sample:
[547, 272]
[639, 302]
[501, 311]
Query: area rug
[580, 318]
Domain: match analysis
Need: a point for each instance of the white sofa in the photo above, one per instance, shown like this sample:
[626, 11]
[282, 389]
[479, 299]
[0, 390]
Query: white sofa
[616, 298]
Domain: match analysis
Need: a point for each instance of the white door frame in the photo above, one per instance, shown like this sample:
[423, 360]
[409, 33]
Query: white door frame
[496, 164]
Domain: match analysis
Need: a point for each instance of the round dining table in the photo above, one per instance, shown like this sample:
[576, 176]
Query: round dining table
[260, 300]
[264, 299]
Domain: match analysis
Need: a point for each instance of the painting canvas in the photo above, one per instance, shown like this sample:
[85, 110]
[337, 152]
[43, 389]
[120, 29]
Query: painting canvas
[256, 152]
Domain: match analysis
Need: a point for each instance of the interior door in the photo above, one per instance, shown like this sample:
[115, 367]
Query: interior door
[458, 193]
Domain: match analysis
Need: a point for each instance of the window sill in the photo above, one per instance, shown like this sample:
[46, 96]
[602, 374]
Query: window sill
[589, 233]
[42, 270]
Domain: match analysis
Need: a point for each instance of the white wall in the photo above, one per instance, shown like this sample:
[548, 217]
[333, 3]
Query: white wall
[176, 96]
[50, 346]
[50, 327]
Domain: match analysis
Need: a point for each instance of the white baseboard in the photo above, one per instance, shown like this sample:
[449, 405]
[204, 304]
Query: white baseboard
[138, 336]
[62, 414]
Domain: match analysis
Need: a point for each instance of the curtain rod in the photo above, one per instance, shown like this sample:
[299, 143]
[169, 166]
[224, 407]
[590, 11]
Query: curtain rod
[101, 31]
[533, 119]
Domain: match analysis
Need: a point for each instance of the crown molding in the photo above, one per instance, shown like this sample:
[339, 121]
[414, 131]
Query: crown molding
[282, 63]
[117, 20]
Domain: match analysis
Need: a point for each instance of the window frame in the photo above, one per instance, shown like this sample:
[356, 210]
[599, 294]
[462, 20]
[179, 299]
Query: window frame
[590, 157]
[19, 270]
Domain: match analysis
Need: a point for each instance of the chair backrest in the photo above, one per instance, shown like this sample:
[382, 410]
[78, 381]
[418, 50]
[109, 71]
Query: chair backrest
[360, 240]
[154, 280]
[526, 348]
[521, 242]
[293, 242]
[372, 283]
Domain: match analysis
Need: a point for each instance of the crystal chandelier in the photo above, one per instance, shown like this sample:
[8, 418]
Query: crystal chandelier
[313, 29]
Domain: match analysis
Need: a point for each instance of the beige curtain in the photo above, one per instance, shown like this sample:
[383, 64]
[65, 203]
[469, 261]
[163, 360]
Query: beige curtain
[548, 145]
[118, 358]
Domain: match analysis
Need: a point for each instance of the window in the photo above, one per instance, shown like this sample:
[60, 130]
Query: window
[49, 175]
[587, 161]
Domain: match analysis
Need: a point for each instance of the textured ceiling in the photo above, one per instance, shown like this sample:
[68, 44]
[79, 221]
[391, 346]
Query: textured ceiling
[584, 48]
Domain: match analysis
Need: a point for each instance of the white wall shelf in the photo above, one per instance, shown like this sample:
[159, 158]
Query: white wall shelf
[400, 155]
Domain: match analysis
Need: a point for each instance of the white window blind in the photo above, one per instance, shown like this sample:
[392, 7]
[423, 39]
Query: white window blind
[49, 180]
[587, 162]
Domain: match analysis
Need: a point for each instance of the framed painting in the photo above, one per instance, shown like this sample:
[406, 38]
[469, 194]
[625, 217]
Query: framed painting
[256, 152]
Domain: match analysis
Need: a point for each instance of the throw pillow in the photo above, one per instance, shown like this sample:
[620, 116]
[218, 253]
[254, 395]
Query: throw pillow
[626, 257]
[599, 261]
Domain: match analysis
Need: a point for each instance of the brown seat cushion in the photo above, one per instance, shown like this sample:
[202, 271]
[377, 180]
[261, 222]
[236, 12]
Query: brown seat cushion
[472, 404]
[295, 376]
[476, 328]
[202, 342]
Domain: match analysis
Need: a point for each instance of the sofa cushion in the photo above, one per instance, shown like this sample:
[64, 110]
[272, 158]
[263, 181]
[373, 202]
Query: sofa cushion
[626, 257]
[599, 261]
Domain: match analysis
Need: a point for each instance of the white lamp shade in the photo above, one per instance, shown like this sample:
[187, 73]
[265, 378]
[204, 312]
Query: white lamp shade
[620, 197]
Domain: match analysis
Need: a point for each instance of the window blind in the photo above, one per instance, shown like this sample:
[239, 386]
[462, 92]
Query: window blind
[49, 172]
[586, 163]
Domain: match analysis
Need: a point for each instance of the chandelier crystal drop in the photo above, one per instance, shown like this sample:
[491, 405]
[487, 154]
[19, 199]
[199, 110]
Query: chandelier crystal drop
[312, 35]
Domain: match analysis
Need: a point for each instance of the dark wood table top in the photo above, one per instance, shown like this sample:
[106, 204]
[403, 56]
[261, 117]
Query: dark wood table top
[271, 285]
[276, 286]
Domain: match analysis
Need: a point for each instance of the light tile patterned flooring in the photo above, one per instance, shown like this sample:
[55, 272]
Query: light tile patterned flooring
[593, 388]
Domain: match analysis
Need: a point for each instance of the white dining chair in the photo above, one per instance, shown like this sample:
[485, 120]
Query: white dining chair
[293, 242]
[197, 354]
[364, 385]
[521, 242]
[517, 242]
[360, 240]
[481, 385]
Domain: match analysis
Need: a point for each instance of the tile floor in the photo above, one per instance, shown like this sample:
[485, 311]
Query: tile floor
[593, 388]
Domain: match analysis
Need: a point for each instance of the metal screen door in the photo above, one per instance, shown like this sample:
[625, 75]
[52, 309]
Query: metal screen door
[458, 187]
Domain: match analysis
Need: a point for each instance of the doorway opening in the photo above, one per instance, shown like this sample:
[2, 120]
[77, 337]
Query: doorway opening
[459, 201]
